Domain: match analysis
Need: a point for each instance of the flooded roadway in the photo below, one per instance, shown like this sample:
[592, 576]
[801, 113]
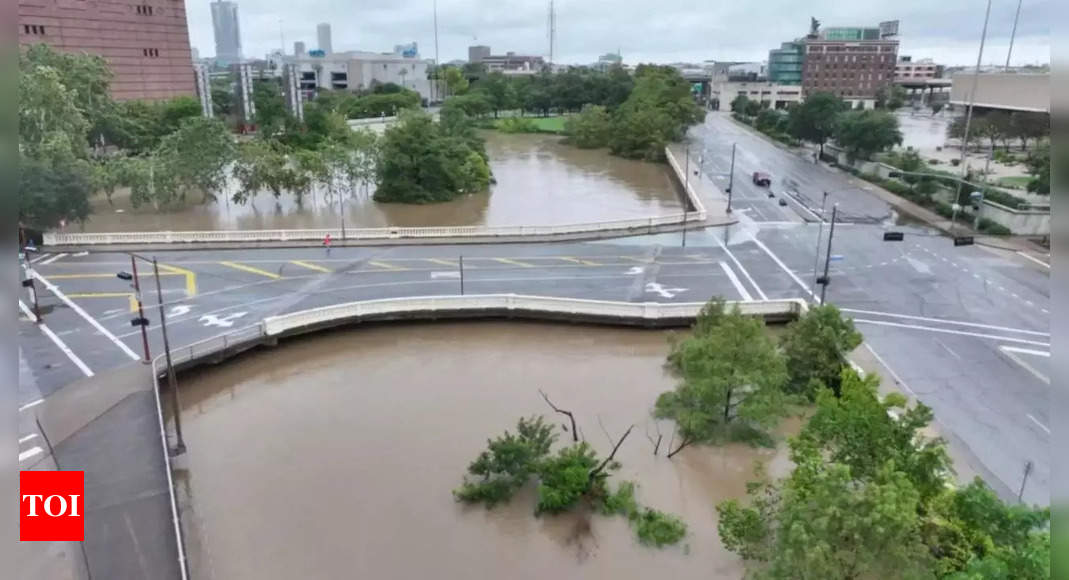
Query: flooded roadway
[539, 182]
[335, 455]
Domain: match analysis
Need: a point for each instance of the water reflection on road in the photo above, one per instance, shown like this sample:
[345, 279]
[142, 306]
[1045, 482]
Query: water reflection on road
[540, 181]
[334, 456]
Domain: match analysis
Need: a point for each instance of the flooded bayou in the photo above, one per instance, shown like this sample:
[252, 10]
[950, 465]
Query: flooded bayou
[540, 181]
[334, 456]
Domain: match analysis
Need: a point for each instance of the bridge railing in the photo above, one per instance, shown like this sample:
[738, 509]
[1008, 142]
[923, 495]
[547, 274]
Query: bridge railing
[389, 233]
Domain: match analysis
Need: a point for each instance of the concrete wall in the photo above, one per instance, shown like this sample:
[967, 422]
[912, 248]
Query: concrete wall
[1011, 91]
[1025, 222]
[764, 92]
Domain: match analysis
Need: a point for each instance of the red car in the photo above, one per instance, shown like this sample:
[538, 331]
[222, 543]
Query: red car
[762, 179]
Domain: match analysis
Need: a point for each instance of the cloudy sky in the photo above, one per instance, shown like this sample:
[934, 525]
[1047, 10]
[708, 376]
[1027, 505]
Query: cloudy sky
[642, 30]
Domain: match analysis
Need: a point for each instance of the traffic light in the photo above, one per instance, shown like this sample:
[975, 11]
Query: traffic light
[893, 236]
[139, 321]
[963, 240]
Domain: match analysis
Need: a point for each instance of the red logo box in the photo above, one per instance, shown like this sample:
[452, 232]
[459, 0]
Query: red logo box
[51, 506]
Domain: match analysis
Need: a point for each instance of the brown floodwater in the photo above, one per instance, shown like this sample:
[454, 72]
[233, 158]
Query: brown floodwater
[334, 456]
[540, 181]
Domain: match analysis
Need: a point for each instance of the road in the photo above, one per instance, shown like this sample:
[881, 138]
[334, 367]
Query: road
[964, 329]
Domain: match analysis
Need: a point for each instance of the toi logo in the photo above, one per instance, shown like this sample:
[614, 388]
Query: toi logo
[52, 506]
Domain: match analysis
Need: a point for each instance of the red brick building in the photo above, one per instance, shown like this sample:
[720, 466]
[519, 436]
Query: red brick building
[146, 42]
[852, 63]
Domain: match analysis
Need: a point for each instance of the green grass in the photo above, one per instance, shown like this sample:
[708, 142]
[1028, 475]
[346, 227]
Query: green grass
[1016, 182]
[544, 124]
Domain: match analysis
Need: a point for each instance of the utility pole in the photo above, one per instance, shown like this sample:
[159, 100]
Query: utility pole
[437, 71]
[686, 194]
[552, 32]
[731, 176]
[140, 310]
[461, 275]
[820, 234]
[1027, 472]
[972, 99]
[827, 260]
[1013, 35]
[172, 382]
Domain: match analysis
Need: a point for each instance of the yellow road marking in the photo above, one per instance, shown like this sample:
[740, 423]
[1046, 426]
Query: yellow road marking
[128, 295]
[250, 269]
[385, 265]
[642, 260]
[311, 266]
[578, 261]
[513, 262]
[191, 278]
[442, 262]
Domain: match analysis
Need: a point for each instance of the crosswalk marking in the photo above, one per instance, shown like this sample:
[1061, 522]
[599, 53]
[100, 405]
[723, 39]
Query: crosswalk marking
[311, 266]
[250, 269]
[513, 262]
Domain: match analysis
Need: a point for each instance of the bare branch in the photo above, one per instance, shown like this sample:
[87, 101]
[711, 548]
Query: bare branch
[682, 443]
[603, 429]
[598, 469]
[658, 445]
[575, 432]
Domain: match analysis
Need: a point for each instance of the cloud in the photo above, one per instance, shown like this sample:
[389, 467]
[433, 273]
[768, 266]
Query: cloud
[682, 30]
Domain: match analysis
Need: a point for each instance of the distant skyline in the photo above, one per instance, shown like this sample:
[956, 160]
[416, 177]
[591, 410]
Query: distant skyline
[947, 31]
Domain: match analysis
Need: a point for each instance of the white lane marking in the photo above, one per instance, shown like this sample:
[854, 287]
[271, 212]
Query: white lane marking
[946, 321]
[894, 375]
[79, 254]
[27, 438]
[39, 258]
[1031, 351]
[949, 331]
[54, 258]
[1020, 361]
[57, 341]
[100, 328]
[784, 267]
[31, 405]
[1041, 425]
[735, 280]
[742, 269]
[1036, 260]
[179, 310]
[30, 453]
[948, 349]
[436, 275]
[635, 271]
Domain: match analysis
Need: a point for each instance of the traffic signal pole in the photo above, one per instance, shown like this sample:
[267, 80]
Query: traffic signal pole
[140, 311]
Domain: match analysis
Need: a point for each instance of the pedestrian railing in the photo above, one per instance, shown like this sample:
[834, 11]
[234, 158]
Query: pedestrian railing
[698, 215]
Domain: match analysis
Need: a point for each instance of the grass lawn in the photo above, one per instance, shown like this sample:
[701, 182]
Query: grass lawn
[544, 124]
[1017, 181]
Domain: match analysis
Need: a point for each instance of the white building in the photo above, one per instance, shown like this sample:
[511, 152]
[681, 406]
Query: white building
[355, 71]
[776, 95]
[323, 37]
[908, 69]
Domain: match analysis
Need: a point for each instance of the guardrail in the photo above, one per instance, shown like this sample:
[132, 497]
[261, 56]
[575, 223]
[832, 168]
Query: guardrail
[388, 233]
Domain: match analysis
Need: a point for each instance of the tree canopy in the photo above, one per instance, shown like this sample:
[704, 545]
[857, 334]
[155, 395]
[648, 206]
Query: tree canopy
[815, 347]
[816, 118]
[863, 133]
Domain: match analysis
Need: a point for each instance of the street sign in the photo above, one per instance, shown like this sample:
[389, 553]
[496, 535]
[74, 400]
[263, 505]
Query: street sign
[836, 258]
[893, 236]
[963, 240]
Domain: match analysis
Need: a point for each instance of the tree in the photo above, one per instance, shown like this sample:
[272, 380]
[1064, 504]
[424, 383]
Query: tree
[936, 107]
[53, 190]
[262, 164]
[1025, 126]
[271, 114]
[863, 133]
[731, 379]
[768, 120]
[508, 462]
[499, 92]
[753, 108]
[999, 127]
[474, 104]
[815, 348]
[455, 82]
[823, 523]
[1039, 168]
[659, 110]
[816, 118]
[589, 129]
[197, 155]
[891, 97]
[740, 104]
[422, 161]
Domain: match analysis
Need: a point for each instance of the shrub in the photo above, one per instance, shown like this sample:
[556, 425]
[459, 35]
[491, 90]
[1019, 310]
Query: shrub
[659, 529]
[517, 125]
[621, 502]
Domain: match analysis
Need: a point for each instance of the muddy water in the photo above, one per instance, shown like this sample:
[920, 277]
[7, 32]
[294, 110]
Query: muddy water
[334, 457]
[539, 182]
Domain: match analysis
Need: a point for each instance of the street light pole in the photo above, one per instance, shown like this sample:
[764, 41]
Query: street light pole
[140, 310]
[820, 234]
[827, 260]
[172, 382]
[686, 194]
[731, 176]
[462, 275]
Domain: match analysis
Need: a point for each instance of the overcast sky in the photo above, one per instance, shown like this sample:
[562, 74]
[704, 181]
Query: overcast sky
[642, 30]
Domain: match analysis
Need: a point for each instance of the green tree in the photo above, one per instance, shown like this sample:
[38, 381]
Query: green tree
[1039, 168]
[753, 108]
[474, 104]
[1026, 126]
[507, 464]
[454, 80]
[262, 164]
[53, 190]
[740, 104]
[499, 92]
[271, 115]
[768, 120]
[197, 155]
[936, 107]
[815, 347]
[863, 133]
[891, 97]
[731, 379]
[591, 128]
[659, 110]
[816, 118]
[422, 161]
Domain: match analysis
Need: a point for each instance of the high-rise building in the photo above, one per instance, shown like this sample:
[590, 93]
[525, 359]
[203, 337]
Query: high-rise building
[146, 45]
[227, 32]
[785, 63]
[323, 37]
[478, 52]
[298, 49]
[853, 63]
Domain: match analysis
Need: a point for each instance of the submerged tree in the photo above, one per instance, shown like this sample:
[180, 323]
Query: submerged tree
[816, 346]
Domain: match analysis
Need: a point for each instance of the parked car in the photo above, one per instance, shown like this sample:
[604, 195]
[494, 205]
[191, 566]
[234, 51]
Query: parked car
[762, 179]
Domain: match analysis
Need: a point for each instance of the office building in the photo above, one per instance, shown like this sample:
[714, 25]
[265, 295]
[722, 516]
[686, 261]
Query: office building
[747, 71]
[908, 69]
[1003, 91]
[785, 63]
[778, 96]
[146, 46]
[608, 60]
[854, 63]
[323, 37]
[355, 71]
[478, 52]
[227, 32]
[298, 49]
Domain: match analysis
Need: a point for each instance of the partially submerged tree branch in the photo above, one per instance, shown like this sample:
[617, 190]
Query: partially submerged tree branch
[598, 469]
[575, 432]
